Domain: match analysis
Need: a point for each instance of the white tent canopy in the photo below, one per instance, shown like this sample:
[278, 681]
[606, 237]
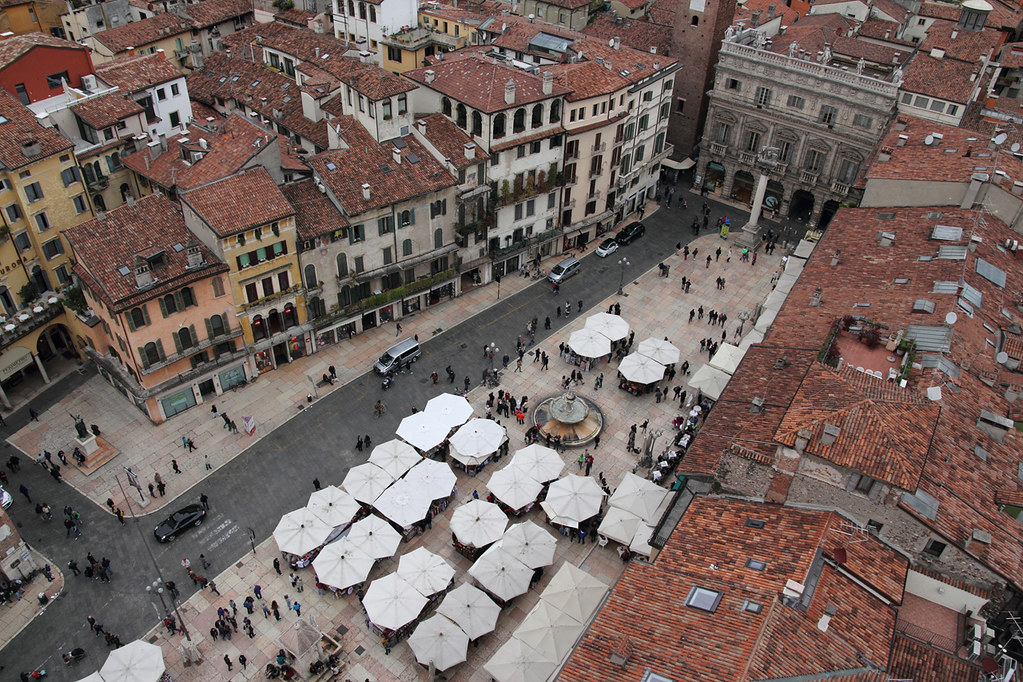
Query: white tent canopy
[641, 369]
[659, 350]
[638, 496]
[478, 439]
[611, 326]
[342, 564]
[727, 358]
[429, 573]
[391, 603]
[434, 477]
[575, 592]
[136, 661]
[530, 544]
[404, 503]
[575, 497]
[451, 410]
[538, 462]
[423, 431]
[302, 639]
[395, 457]
[477, 523]
[366, 481]
[552, 516]
[439, 641]
[517, 662]
[501, 574]
[641, 540]
[711, 382]
[514, 487]
[589, 343]
[375, 537]
[300, 531]
[333, 506]
[472, 608]
[619, 525]
[550, 631]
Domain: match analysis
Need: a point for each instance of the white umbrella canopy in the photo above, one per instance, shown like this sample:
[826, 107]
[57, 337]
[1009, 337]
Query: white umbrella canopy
[404, 503]
[638, 496]
[435, 477]
[366, 481]
[659, 350]
[451, 410]
[574, 591]
[429, 573]
[727, 358]
[641, 369]
[539, 462]
[136, 661]
[478, 524]
[375, 537]
[395, 457]
[472, 609]
[575, 497]
[439, 641]
[530, 544]
[589, 343]
[619, 525]
[514, 487]
[641, 540]
[342, 564]
[423, 431]
[300, 531]
[478, 438]
[710, 381]
[92, 678]
[516, 661]
[390, 602]
[501, 574]
[553, 517]
[550, 631]
[611, 326]
[333, 506]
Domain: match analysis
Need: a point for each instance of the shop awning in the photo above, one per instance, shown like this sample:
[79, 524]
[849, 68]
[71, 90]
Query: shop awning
[714, 165]
[684, 164]
[13, 360]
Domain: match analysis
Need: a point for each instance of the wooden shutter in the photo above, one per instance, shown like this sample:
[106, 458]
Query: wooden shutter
[223, 318]
[143, 357]
[163, 306]
[145, 314]
[195, 339]
[413, 212]
[159, 350]
[177, 341]
[209, 328]
[130, 320]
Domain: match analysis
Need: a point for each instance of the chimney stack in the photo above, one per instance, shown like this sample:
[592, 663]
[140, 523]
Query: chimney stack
[617, 43]
[365, 191]
[396, 155]
[509, 92]
[421, 124]
[470, 150]
[755, 19]
[770, 11]
[366, 57]
[143, 275]
[194, 254]
[548, 82]
[430, 75]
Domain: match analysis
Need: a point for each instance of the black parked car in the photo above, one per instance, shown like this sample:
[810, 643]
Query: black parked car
[186, 517]
[629, 233]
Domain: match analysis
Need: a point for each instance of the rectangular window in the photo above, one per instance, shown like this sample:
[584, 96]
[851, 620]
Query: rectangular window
[934, 548]
[53, 81]
[952, 110]
[385, 109]
[534, 147]
[640, 153]
[161, 94]
[752, 141]
[552, 198]
[33, 192]
[520, 151]
[595, 109]
[703, 599]
[251, 293]
[13, 212]
[79, 204]
[175, 91]
[530, 207]
[518, 211]
[5, 185]
[63, 276]
[387, 255]
[722, 131]
[784, 150]
[402, 104]
[394, 54]
[175, 119]
[357, 234]
[847, 172]
[680, 105]
[864, 484]
[796, 102]
[861, 121]
[42, 222]
[23, 242]
[814, 160]
[763, 98]
[665, 110]
[828, 115]
[53, 248]
[283, 281]
[921, 102]
[937, 105]
[360, 264]
[362, 103]
[385, 225]
[907, 98]
[732, 84]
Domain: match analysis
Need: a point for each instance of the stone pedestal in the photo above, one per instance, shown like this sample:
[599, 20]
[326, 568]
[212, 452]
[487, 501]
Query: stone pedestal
[87, 445]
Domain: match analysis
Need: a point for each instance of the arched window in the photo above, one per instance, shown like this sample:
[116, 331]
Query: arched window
[445, 106]
[310, 276]
[125, 192]
[695, 21]
[188, 297]
[406, 247]
[137, 317]
[460, 115]
[98, 202]
[406, 218]
[537, 116]
[217, 325]
[519, 122]
[438, 238]
[290, 317]
[152, 354]
[477, 123]
[499, 125]
[218, 286]
[185, 338]
[342, 265]
[170, 304]
[555, 111]
[351, 8]
[258, 328]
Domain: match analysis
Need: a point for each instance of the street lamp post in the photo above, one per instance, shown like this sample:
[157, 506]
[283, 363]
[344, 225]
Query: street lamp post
[157, 587]
[492, 350]
[624, 263]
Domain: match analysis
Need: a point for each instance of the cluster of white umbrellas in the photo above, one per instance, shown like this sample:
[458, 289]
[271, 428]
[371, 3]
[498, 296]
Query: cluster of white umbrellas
[429, 573]
[348, 561]
[301, 531]
[646, 365]
[391, 602]
[366, 481]
[466, 613]
[404, 502]
[333, 506]
[429, 428]
[614, 327]
[538, 462]
[634, 508]
[136, 661]
[513, 486]
[436, 478]
[395, 457]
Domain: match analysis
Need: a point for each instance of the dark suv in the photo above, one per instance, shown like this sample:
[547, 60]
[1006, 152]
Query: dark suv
[630, 233]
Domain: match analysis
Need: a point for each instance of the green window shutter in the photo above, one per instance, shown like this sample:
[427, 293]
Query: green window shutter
[195, 339]
[380, 226]
[413, 212]
[145, 315]
[142, 356]
[159, 349]
[179, 301]
[209, 328]
[163, 306]
[130, 319]
[227, 325]
[177, 342]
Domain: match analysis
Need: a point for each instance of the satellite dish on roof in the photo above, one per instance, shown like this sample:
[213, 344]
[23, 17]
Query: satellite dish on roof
[1015, 146]
[1002, 358]
[1000, 138]
[929, 140]
[951, 318]
[611, 42]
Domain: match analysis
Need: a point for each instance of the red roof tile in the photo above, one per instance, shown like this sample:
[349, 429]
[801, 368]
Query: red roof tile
[141, 33]
[239, 202]
[1012, 56]
[912, 660]
[636, 33]
[212, 12]
[106, 110]
[15, 47]
[967, 46]
[22, 127]
[449, 139]
[662, 12]
[587, 79]
[137, 72]
[315, 215]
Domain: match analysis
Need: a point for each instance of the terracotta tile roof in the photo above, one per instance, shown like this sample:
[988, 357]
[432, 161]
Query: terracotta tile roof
[813, 31]
[15, 47]
[1012, 56]
[519, 32]
[292, 157]
[469, 13]
[568, 4]
[646, 615]
[212, 12]
[22, 127]
[1005, 16]
[1013, 344]
[525, 139]
[315, 215]
[152, 225]
[744, 12]
[882, 29]
[636, 33]
[344, 171]
[295, 17]
[371, 80]
[239, 202]
[912, 660]
[137, 72]
[967, 46]
[885, 431]
[662, 12]
[449, 139]
[141, 33]
[201, 112]
[640, 64]
[872, 562]
[480, 81]
[231, 145]
[939, 10]
[587, 79]
[106, 110]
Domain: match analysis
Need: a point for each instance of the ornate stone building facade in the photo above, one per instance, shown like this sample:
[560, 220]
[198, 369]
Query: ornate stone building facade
[823, 116]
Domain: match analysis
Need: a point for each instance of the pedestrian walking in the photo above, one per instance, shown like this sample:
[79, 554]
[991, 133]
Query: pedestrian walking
[580, 309]
[33, 415]
[332, 371]
[518, 365]
[227, 661]
[242, 660]
[258, 591]
[202, 560]
[266, 611]
[358, 444]
[277, 565]
[547, 322]
[298, 608]
[23, 489]
[213, 588]
[73, 567]
[191, 443]
[205, 501]
[316, 483]
[174, 466]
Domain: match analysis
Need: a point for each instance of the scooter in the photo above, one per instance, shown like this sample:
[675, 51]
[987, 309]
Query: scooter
[73, 656]
[387, 381]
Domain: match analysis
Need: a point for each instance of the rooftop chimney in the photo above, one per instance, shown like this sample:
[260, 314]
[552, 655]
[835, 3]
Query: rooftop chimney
[194, 254]
[317, 52]
[509, 92]
[162, 53]
[617, 43]
[770, 11]
[365, 191]
[470, 150]
[548, 82]
[430, 75]
[937, 52]
[396, 155]
[30, 147]
[955, 32]
[421, 124]
[366, 57]
[143, 275]
[755, 19]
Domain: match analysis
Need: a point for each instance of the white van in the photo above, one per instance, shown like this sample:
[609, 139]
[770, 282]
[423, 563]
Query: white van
[398, 355]
[565, 269]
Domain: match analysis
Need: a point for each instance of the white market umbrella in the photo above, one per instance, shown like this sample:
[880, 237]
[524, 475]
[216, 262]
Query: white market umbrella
[727, 358]
[472, 609]
[550, 631]
[641, 369]
[575, 497]
[553, 517]
[575, 592]
[375, 537]
[539, 462]
[589, 343]
[516, 661]
[451, 410]
[709, 381]
[514, 487]
[439, 641]
[404, 503]
[641, 540]
[619, 525]
[501, 574]
[611, 326]
[479, 438]
[435, 477]
[333, 506]
[659, 350]
[638, 496]
[395, 457]
[422, 431]
[342, 564]
[429, 573]
[391, 603]
[530, 544]
[477, 523]
[300, 531]
[366, 481]
[92, 678]
[136, 661]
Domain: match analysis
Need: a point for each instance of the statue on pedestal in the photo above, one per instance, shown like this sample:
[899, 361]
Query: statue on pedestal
[83, 432]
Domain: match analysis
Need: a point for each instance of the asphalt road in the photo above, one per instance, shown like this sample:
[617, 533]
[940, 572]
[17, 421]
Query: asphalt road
[275, 475]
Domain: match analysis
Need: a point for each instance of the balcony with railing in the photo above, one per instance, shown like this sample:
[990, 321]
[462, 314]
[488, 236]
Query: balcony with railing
[840, 188]
[268, 300]
[376, 300]
[537, 238]
[747, 158]
[718, 149]
[24, 322]
[206, 343]
[599, 148]
[809, 177]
